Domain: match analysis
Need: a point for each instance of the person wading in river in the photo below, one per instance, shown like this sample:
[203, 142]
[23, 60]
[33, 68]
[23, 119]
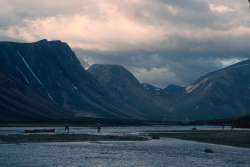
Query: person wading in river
[66, 129]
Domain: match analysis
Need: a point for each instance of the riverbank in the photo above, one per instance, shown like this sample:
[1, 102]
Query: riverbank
[239, 138]
[40, 138]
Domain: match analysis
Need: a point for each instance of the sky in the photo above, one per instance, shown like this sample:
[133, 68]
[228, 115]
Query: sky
[161, 42]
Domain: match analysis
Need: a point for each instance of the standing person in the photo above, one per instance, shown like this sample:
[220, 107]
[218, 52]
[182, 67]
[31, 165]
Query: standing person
[99, 128]
[232, 125]
[66, 129]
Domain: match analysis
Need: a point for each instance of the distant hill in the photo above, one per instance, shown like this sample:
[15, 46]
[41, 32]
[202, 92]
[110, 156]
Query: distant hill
[153, 90]
[174, 90]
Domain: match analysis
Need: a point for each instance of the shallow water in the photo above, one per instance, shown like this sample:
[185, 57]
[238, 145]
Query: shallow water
[154, 153]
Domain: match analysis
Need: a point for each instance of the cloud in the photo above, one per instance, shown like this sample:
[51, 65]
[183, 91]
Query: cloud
[160, 41]
[129, 25]
[155, 76]
[84, 32]
[230, 61]
[220, 8]
[167, 67]
[112, 29]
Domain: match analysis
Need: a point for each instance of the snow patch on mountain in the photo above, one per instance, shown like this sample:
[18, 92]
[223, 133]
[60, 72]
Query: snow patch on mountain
[30, 69]
[191, 88]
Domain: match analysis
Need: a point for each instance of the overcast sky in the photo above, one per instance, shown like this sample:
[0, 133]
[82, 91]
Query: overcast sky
[160, 41]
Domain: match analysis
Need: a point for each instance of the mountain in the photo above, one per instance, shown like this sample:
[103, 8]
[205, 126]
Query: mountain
[174, 90]
[153, 90]
[50, 70]
[218, 95]
[127, 91]
[44, 81]
[223, 94]
[19, 104]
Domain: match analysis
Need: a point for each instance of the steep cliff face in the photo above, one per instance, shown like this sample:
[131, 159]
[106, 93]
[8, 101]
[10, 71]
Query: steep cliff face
[51, 70]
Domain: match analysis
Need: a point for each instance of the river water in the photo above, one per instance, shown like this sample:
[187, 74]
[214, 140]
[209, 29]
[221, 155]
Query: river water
[153, 153]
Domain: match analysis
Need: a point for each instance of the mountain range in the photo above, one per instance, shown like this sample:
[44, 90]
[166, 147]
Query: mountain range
[44, 81]
[51, 71]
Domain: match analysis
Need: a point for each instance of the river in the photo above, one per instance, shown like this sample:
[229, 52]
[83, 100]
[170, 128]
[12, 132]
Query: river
[153, 153]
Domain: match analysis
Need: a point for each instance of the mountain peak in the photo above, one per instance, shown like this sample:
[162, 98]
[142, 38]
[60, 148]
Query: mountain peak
[42, 41]
[108, 73]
